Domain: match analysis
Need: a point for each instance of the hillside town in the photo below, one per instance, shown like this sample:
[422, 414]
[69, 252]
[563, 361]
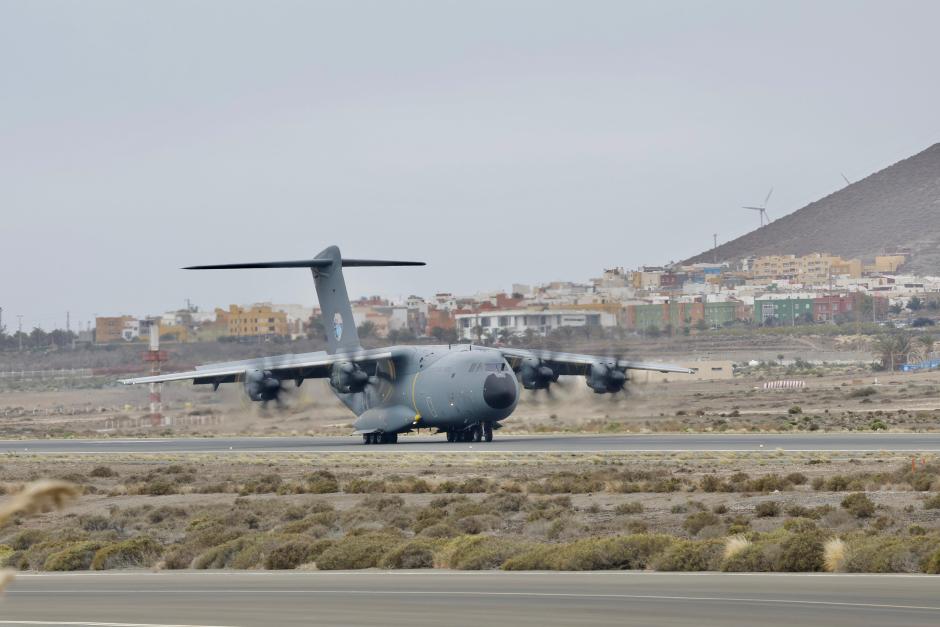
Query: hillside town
[777, 290]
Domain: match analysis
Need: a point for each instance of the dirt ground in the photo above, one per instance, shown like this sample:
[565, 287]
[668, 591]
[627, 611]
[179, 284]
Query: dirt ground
[834, 398]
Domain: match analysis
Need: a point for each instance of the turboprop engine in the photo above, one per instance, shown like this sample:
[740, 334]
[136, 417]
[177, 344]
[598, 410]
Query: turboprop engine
[536, 375]
[606, 378]
[348, 378]
[262, 385]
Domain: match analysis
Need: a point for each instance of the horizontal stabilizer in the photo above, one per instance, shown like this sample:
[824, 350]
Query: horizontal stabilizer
[306, 263]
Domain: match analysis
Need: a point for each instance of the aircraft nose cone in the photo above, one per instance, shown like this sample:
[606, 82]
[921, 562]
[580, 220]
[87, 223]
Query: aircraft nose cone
[499, 390]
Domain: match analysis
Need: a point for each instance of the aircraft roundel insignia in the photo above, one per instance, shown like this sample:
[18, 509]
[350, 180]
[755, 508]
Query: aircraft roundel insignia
[338, 326]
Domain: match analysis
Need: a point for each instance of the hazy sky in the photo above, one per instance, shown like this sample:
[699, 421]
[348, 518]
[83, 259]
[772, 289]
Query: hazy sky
[500, 141]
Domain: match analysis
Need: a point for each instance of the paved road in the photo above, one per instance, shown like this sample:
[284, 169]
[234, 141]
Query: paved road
[473, 599]
[422, 444]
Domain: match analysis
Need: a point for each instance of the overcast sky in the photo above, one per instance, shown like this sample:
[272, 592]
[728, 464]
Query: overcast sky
[500, 141]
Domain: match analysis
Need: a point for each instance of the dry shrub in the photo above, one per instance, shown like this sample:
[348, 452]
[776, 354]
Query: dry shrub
[103, 472]
[293, 553]
[690, 555]
[321, 482]
[473, 525]
[357, 551]
[77, 556]
[750, 558]
[566, 483]
[27, 538]
[800, 553]
[440, 530]
[734, 545]
[886, 555]
[503, 503]
[634, 507]
[37, 497]
[767, 509]
[479, 552]
[859, 505]
[139, 551]
[932, 564]
[414, 554]
[833, 555]
[698, 521]
[158, 487]
[617, 553]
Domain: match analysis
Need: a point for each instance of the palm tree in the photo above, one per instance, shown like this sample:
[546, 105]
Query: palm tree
[893, 348]
[927, 342]
[506, 335]
[367, 329]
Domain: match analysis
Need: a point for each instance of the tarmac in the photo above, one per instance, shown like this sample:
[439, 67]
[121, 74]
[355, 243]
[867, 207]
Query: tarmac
[472, 599]
[846, 442]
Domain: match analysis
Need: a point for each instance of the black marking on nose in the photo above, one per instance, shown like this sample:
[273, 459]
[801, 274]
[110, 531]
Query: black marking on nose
[499, 390]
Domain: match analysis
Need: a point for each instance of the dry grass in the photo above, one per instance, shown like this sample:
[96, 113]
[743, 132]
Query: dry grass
[833, 555]
[7, 576]
[734, 545]
[38, 497]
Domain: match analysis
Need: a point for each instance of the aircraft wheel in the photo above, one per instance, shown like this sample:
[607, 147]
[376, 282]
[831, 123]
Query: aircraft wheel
[488, 432]
[451, 436]
[393, 438]
[476, 433]
[367, 438]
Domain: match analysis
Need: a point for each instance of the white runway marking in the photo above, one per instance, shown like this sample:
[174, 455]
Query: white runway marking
[481, 593]
[94, 624]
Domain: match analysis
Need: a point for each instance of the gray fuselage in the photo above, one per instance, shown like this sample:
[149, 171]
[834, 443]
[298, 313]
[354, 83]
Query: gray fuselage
[443, 387]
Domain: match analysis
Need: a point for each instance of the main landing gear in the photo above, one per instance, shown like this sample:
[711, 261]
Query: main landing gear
[379, 438]
[480, 432]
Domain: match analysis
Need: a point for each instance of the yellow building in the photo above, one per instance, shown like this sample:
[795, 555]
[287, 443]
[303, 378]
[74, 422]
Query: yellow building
[814, 268]
[255, 320]
[886, 264]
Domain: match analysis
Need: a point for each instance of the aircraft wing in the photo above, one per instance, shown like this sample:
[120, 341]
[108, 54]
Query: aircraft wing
[576, 364]
[297, 367]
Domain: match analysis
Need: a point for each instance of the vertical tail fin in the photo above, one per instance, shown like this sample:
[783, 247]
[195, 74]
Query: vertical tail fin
[327, 269]
[341, 334]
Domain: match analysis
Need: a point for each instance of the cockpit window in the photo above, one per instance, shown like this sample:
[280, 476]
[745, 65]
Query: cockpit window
[494, 367]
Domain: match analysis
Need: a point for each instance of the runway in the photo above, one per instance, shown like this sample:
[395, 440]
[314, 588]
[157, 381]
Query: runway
[856, 442]
[275, 599]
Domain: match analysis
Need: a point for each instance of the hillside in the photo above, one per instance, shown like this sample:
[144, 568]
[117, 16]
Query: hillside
[898, 207]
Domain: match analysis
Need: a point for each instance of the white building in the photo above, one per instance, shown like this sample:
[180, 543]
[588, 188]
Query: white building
[518, 321]
[131, 330]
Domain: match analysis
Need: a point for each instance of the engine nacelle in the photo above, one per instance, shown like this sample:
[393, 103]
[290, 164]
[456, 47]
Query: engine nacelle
[535, 375]
[347, 378]
[606, 378]
[262, 385]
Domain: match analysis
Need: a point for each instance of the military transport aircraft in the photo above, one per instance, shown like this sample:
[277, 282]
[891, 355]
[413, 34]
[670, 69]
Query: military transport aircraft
[458, 389]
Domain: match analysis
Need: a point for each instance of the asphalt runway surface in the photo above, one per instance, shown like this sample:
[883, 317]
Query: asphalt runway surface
[849, 442]
[275, 599]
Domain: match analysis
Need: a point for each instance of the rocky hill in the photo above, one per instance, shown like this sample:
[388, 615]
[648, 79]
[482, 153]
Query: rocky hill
[898, 207]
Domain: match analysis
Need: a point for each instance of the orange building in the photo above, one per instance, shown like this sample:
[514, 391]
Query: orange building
[110, 329]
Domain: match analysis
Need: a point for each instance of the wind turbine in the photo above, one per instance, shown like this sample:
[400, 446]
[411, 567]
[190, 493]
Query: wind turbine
[763, 208]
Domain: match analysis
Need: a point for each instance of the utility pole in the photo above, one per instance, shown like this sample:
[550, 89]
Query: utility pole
[715, 247]
[19, 326]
